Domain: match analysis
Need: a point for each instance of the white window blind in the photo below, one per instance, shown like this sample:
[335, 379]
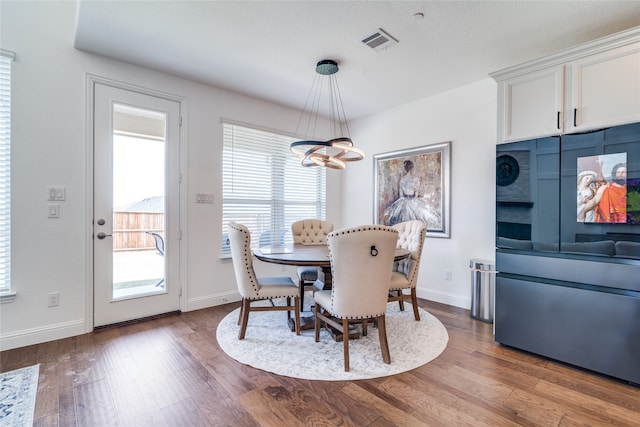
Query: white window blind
[265, 187]
[5, 170]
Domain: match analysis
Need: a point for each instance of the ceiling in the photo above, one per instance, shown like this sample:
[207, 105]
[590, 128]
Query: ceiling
[268, 49]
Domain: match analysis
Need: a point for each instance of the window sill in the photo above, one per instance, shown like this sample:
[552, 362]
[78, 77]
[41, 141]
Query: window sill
[6, 297]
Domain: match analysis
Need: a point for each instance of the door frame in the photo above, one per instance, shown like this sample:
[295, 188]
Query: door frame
[91, 81]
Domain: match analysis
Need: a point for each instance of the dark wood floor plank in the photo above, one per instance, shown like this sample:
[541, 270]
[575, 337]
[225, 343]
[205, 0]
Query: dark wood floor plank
[94, 404]
[130, 392]
[48, 385]
[66, 398]
[84, 353]
[593, 384]
[20, 358]
[265, 411]
[307, 407]
[167, 389]
[499, 369]
[581, 403]
[432, 406]
[171, 371]
[328, 399]
[185, 413]
[225, 371]
[482, 415]
[480, 396]
[201, 343]
[385, 410]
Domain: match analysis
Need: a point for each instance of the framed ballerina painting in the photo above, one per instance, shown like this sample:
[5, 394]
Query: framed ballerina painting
[414, 184]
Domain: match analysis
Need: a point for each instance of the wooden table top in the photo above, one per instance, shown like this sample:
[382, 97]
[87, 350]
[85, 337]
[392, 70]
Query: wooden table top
[316, 255]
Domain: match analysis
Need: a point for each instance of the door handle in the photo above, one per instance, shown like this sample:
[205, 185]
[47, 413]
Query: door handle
[101, 235]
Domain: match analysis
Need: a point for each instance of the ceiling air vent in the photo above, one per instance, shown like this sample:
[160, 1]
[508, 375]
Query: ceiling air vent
[380, 40]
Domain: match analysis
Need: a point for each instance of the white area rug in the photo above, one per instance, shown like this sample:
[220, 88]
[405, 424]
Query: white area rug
[18, 396]
[271, 346]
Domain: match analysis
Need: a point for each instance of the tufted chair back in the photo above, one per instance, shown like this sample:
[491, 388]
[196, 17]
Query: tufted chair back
[311, 231]
[361, 260]
[252, 288]
[411, 236]
[240, 242]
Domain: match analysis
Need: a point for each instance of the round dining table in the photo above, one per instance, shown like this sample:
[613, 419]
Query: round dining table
[307, 255]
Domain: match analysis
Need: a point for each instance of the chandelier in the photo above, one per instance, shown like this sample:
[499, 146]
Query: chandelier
[338, 149]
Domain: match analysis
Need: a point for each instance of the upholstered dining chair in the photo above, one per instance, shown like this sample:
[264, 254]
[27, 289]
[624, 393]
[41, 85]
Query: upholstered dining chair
[361, 262]
[309, 232]
[252, 288]
[411, 236]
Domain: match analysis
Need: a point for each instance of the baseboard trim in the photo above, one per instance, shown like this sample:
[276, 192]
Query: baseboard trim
[445, 298]
[33, 336]
[212, 300]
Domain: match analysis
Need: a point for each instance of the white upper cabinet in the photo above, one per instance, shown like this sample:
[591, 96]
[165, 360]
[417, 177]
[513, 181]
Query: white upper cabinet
[592, 86]
[605, 89]
[531, 105]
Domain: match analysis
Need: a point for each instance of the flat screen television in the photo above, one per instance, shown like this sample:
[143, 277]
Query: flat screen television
[571, 195]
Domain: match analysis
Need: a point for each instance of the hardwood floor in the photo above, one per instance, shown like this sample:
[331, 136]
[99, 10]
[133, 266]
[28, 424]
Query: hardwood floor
[171, 372]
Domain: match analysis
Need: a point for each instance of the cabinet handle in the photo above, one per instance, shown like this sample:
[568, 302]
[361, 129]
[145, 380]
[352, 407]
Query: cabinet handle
[575, 114]
[558, 120]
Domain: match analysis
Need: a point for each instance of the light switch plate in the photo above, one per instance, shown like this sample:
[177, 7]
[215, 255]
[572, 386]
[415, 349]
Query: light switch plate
[206, 198]
[56, 193]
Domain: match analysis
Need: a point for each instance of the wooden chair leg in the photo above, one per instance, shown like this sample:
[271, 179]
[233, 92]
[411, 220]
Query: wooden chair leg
[414, 302]
[241, 311]
[289, 305]
[401, 300]
[317, 322]
[365, 322]
[245, 318]
[345, 340]
[382, 334]
[296, 303]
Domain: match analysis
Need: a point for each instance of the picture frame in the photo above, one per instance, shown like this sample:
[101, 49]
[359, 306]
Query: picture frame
[414, 184]
[604, 195]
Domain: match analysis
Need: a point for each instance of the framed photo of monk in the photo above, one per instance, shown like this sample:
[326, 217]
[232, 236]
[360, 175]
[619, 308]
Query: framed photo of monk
[601, 191]
[414, 184]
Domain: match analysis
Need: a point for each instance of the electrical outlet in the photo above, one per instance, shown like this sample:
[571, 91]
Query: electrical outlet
[447, 275]
[53, 299]
[53, 210]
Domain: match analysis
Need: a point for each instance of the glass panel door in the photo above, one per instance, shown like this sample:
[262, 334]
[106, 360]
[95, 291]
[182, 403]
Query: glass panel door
[136, 205]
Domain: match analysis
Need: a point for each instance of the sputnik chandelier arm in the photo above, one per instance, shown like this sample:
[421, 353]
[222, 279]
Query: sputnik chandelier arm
[338, 149]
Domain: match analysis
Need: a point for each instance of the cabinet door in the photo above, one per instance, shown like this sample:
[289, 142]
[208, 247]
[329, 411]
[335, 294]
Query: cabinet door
[604, 90]
[530, 106]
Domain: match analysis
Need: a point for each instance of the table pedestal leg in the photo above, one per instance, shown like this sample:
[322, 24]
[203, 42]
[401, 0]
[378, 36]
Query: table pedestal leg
[307, 321]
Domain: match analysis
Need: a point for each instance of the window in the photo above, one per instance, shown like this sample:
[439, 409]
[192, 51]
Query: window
[265, 187]
[6, 58]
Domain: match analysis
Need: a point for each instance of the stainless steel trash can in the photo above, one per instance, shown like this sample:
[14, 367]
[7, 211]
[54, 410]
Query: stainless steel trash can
[483, 280]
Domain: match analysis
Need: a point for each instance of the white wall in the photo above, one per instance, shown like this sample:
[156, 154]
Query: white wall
[50, 148]
[467, 117]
